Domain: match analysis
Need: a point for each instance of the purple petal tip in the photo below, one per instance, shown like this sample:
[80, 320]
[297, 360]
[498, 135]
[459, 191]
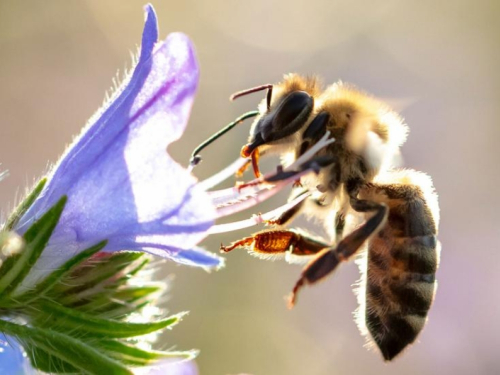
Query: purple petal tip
[150, 33]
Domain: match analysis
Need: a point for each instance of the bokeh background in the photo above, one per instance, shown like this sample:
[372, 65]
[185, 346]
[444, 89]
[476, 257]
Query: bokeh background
[436, 62]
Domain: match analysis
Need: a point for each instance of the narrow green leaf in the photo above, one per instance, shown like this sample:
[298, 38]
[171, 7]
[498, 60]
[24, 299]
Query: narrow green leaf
[45, 286]
[79, 323]
[130, 300]
[113, 304]
[134, 356]
[48, 363]
[141, 265]
[36, 237]
[81, 355]
[25, 204]
[117, 311]
[95, 274]
[98, 305]
[134, 293]
[134, 271]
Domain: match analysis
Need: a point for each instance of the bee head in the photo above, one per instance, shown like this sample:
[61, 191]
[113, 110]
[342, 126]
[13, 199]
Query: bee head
[285, 117]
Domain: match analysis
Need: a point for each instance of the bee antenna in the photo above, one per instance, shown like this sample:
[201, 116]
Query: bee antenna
[267, 87]
[196, 159]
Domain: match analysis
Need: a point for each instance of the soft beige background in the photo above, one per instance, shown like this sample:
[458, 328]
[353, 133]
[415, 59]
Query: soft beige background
[438, 62]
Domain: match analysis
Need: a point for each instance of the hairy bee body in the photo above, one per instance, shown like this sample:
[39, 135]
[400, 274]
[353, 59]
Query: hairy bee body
[397, 209]
[401, 263]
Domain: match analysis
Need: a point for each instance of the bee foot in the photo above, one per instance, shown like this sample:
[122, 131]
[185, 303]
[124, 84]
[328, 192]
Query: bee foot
[292, 298]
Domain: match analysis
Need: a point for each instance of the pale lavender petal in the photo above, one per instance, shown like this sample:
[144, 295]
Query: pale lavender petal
[170, 367]
[121, 184]
[13, 360]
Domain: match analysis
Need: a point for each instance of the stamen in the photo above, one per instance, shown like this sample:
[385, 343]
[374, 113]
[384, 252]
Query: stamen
[229, 207]
[239, 163]
[238, 193]
[235, 199]
[241, 192]
[257, 219]
[223, 175]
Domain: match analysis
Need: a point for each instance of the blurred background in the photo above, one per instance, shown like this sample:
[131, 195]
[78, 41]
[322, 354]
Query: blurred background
[435, 62]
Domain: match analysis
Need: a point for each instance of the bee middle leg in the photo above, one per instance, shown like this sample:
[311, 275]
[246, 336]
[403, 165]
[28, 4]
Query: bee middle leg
[287, 216]
[327, 260]
[339, 226]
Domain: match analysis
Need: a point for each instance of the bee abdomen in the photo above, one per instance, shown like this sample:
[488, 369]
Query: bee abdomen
[400, 289]
[415, 254]
[402, 263]
[393, 332]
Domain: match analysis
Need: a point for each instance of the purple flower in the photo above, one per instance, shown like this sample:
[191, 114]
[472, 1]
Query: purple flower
[121, 184]
[13, 360]
[123, 190]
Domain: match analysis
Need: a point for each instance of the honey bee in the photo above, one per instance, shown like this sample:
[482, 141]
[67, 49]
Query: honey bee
[384, 216]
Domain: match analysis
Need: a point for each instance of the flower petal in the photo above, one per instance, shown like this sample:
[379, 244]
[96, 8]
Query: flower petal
[170, 367]
[121, 184]
[195, 256]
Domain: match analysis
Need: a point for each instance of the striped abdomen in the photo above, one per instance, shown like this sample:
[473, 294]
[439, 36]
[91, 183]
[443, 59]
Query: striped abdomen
[402, 262]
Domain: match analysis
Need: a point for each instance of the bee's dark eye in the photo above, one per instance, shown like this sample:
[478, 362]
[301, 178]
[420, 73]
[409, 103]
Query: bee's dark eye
[292, 113]
[287, 117]
[283, 120]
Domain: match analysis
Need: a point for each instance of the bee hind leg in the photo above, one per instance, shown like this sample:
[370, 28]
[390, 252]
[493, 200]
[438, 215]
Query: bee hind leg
[327, 260]
[278, 242]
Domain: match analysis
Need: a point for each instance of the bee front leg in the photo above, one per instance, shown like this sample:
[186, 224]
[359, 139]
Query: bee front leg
[244, 167]
[327, 260]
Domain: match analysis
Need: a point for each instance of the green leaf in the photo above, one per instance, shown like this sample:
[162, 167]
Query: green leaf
[15, 268]
[25, 204]
[95, 274]
[137, 301]
[114, 304]
[59, 347]
[133, 293]
[116, 310]
[51, 280]
[139, 357]
[141, 265]
[47, 362]
[86, 325]
[130, 273]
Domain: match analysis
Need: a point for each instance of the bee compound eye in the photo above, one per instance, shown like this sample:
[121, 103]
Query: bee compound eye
[287, 118]
[292, 113]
